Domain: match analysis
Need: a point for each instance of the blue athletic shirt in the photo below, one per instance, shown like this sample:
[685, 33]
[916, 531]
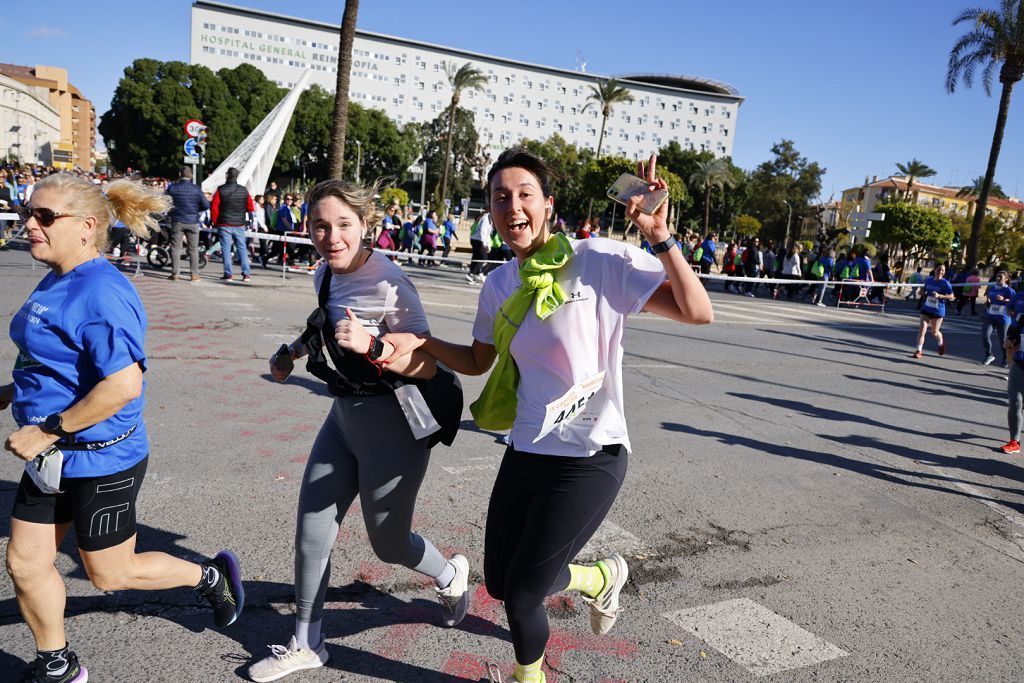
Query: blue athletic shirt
[933, 286]
[1000, 309]
[1018, 302]
[828, 263]
[74, 330]
[863, 265]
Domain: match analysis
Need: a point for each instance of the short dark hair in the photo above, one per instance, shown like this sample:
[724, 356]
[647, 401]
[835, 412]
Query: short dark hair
[232, 174]
[186, 172]
[519, 157]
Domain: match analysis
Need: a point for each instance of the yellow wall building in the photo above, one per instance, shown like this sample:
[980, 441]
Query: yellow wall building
[945, 199]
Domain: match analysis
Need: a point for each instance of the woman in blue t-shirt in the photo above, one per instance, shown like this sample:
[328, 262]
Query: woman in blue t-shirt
[997, 315]
[937, 291]
[78, 396]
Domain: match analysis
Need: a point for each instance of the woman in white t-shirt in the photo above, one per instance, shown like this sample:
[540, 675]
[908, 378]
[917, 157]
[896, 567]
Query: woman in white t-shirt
[569, 443]
[365, 446]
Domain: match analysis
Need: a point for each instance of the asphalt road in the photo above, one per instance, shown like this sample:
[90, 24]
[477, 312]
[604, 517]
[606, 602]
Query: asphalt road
[805, 502]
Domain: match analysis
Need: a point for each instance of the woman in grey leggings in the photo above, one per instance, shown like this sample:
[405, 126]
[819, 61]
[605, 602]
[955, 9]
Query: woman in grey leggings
[365, 446]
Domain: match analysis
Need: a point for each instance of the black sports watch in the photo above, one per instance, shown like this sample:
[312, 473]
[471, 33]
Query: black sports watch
[376, 349]
[54, 424]
[662, 247]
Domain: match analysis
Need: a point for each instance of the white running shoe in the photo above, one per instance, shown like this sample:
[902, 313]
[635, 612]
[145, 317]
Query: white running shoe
[286, 660]
[604, 609]
[470, 278]
[989, 360]
[455, 598]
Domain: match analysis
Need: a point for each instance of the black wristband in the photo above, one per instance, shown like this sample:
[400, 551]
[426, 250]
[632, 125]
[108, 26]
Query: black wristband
[662, 247]
[376, 349]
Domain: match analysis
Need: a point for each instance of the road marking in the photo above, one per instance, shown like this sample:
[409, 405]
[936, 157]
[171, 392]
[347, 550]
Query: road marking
[216, 294]
[611, 538]
[241, 306]
[438, 303]
[754, 637]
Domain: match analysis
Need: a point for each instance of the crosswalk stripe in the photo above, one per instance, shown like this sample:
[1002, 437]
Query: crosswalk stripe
[753, 636]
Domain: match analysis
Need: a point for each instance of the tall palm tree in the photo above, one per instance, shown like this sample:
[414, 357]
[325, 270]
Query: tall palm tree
[914, 170]
[340, 123]
[995, 39]
[709, 175]
[465, 77]
[606, 94]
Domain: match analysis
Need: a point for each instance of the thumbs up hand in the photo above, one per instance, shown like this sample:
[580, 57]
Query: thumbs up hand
[351, 335]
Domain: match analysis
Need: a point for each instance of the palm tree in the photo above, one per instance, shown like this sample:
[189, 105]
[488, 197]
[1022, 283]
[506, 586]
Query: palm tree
[465, 77]
[914, 170]
[974, 189]
[340, 123]
[709, 175]
[995, 39]
[606, 94]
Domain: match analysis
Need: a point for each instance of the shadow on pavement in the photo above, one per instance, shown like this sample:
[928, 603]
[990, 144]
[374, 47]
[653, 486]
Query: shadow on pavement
[881, 471]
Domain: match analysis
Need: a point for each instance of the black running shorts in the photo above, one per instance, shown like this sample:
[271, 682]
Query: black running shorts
[101, 508]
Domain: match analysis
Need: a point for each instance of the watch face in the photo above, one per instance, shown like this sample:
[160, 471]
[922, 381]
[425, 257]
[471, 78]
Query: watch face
[53, 423]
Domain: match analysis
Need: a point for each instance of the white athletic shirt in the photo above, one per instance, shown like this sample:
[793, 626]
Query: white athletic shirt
[605, 281]
[379, 293]
[482, 229]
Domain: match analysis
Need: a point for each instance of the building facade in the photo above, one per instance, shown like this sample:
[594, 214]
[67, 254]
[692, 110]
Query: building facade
[77, 114]
[29, 124]
[948, 200]
[406, 79]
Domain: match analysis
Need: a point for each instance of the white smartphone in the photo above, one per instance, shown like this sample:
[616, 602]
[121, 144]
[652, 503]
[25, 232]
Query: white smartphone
[629, 186]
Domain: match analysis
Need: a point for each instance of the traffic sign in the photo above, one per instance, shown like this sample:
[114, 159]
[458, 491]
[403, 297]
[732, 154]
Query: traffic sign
[193, 127]
[190, 147]
[192, 160]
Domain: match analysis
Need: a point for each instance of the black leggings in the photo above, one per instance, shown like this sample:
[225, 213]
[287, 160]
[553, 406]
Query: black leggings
[543, 510]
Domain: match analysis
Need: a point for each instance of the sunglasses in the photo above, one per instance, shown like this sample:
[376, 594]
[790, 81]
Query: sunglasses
[44, 217]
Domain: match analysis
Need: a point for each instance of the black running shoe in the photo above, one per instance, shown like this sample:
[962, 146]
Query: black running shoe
[227, 597]
[76, 673]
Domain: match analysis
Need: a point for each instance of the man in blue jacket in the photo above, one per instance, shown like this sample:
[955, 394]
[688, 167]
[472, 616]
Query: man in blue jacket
[707, 258]
[189, 202]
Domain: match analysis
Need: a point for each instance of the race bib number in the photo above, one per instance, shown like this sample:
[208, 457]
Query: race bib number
[932, 301]
[996, 309]
[570, 405]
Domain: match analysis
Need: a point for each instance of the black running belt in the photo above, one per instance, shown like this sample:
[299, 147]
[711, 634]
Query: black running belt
[94, 445]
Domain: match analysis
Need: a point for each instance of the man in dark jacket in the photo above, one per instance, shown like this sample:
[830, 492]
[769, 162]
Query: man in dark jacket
[229, 213]
[189, 202]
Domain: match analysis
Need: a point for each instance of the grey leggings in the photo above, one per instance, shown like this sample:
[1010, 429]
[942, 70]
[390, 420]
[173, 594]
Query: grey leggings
[364, 447]
[1014, 389]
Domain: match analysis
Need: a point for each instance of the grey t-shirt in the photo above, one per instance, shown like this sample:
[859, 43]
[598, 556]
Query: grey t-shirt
[379, 293]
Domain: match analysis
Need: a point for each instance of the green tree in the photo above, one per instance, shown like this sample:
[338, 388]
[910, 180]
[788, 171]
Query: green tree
[708, 176]
[912, 228]
[599, 175]
[914, 170]
[152, 102]
[253, 95]
[567, 160]
[394, 195]
[994, 40]
[432, 140]
[465, 77]
[306, 149]
[387, 151]
[746, 226]
[339, 130]
[787, 177]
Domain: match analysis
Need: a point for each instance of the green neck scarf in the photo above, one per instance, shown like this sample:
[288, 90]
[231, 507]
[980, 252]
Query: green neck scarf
[496, 407]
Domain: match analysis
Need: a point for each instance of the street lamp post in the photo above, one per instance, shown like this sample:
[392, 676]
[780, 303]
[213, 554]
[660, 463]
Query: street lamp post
[785, 242]
[423, 187]
[359, 159]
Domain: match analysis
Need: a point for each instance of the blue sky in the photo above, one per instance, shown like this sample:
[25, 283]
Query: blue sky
[859, 86]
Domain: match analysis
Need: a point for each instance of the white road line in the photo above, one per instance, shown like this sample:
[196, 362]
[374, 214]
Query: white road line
[754, 637]
[217, 294]
[470, 468]
[241, 306]
[438, 303]
[611, 538]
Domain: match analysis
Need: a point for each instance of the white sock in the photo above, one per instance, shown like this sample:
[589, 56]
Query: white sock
[445, 577]
[308, 634]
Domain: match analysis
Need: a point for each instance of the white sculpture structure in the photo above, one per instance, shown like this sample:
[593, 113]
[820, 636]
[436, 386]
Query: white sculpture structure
[254, 158]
